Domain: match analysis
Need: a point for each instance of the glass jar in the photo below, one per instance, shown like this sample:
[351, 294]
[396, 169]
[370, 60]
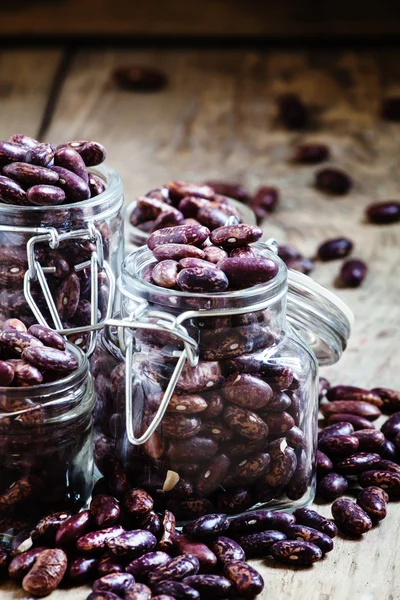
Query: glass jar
[135, 237]
[218, 409]
[46, 447]
[57, 262]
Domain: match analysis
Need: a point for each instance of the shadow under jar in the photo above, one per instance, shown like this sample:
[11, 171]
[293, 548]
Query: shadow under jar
[46, 447]
[66, 245]
[228, 382]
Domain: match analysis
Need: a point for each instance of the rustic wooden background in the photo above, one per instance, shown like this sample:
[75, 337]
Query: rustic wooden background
[217, 119]
[212, 18]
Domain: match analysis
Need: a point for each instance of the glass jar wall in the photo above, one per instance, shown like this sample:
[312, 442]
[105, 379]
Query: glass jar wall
[240, 421]
[46, 447]
[65, 246]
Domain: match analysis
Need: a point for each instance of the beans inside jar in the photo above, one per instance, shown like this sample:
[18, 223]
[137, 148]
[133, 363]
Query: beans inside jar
[66, 188]
[235, 431]
[46, 401]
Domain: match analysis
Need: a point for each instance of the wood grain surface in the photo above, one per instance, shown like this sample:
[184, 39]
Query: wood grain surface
[217, 120]
[209, 18]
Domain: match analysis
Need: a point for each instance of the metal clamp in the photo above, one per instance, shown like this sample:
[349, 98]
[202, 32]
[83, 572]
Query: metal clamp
[35, 272]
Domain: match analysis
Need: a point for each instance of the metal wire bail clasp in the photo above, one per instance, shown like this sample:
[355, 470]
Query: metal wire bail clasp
[36, 272]
[142, 318]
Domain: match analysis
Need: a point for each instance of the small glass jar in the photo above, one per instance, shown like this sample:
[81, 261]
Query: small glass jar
[46, 447]
[135, 237]
[57, 262]
[218, 409]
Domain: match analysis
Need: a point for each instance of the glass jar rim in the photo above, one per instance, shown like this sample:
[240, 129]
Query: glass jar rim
[34, 392]
[111, 197]
[137, 237]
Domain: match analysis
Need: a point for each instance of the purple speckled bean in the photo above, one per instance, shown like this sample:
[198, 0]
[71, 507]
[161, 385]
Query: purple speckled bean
[22, 563]
[17, 341]
[45, 195]
[177, 252]
[194, 235]
[47, 336]
[132, 544]
[179, 567]
[42, 154]
[96, 185]
[137, 591]
[165, 273]
[246, 272]
[75, 188]
[96, 541]
[258, 544]
[207, 525]
[50, 359]
[30, 175]
[350, 517]
[71, 160]
[67, 296]
[308, 534]
[105, 510]
[232, 236]
[226, 549]
[246, 580]
[6, 373]
[296, 552]
[306, 516]
[214, 254]
[114, 582]
[202, 279]
[11, 192]
[93, 153]
[175, 589]
[11, 152]
[145, 564]
[213, 586]
[25, 374]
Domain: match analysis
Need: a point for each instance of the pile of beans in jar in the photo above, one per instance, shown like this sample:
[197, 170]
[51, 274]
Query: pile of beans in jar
[182, 203]
[41, 461]
[192, 259]
[234, 432]
[35, 174]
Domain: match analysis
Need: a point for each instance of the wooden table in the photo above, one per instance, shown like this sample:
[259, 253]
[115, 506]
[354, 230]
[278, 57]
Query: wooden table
[217, 120]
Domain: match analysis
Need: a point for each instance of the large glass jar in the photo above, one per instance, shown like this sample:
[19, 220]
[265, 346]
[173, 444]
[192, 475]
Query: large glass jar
[218, 409]
[57, 262]
[46, 447]
[136, 237]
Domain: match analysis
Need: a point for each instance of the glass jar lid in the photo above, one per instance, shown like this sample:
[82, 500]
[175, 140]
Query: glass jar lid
[322, 319]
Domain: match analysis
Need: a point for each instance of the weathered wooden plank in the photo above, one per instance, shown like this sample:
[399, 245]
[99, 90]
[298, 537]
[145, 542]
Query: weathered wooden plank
[171, 18]
[26, 78]
[217, 120]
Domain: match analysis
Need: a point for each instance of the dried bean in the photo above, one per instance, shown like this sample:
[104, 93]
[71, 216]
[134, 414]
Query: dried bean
[339, 428]
[214, 586]
[105, 510]
[390, 428]
[332, 249]
[388, 450]
[178, 252]
[245, 422]
[214, 254]
[184, 544]
[292, 111]
[309, 534]
[93, 153]
[75, 188]
[247, 391]
[147, 563]
[46, 573]
[226, 549]
[369, 440]
[232, 190]
[387, 480]
[11, 192]
[140, 78]
[103, 595]
[45, 195]
[296, 552]
[257, 545]
[384, 213]
[390, 398]
[310, 518]
[332, 486]
[81, 570]
[283, 463]
[207, 525]
[22, 563]
[50, 359]
[96, 185]
[311, 153]
[348, 392]
[279, 423]
[338, 445]
[352, 273]
[114, 582]
[67, 296]
[324, 464]
[356, 421]
[232, 236]
[47, 336]
[188, 404]
[47, 527]
[108, 564]
[95, 542]
[138, 502]
[115, 476]
[175, 589]
[246, 581]
[6, 374]
[373, 501]
[202, 279]
[355, 407]
[350, 517]
[194, 235]
[137, 591]
[260, 520]
[132, 544]
[333, 181]
[12, 151]
[211, 477]
[73, 528]
[178, 568]
[165, 273]
[17, 341]
[71, 160]
[41, 154]
[30, 175]
[195, 448]
[246, 272]
[266, 198]
[357, 463]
